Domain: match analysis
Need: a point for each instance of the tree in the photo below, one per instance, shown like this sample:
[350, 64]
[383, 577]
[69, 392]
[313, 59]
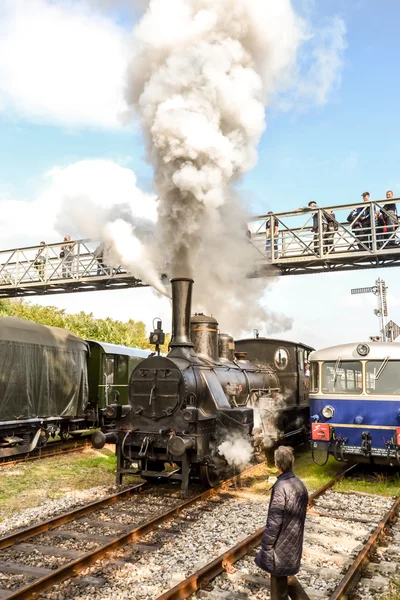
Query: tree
[85, 325]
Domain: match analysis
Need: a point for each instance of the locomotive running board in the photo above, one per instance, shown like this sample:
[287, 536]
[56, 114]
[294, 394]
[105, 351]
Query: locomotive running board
[163, 474]
[21, 449]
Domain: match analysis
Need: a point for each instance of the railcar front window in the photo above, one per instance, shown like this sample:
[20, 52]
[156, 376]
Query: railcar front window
[388, 380]
[343, 377]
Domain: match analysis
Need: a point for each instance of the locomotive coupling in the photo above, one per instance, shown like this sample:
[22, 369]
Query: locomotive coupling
[178, 445]
[99, 439]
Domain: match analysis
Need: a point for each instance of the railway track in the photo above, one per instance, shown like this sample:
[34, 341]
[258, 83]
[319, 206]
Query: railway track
[155, 543]
[51, 449]
[36, 558]
[337, 549]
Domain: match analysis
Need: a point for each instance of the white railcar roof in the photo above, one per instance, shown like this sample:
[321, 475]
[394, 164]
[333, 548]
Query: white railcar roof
[377, 351]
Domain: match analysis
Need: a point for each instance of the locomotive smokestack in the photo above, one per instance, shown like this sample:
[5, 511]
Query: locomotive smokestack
[181, 309]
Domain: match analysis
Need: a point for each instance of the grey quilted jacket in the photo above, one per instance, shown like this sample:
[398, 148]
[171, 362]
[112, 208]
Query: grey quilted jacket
[282, 541]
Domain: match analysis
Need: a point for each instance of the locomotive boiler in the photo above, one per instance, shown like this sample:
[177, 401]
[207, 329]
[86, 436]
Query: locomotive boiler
[182, 407]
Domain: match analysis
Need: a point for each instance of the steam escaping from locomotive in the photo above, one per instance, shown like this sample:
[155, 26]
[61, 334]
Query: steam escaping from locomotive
[237, 450]
[201, 76]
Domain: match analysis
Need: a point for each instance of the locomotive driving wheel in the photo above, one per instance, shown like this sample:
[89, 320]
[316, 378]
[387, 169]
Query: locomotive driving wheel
[210, 476]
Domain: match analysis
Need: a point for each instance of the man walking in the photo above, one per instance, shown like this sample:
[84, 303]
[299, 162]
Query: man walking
[282, 541]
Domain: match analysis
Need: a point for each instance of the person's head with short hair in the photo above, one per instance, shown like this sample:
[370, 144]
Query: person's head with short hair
[389, 194]
[284, 459]
[42, 243]
[366, 196]
[312, 203]
[67, 238]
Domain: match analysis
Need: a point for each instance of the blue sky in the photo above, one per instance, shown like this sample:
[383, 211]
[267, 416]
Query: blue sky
[329, 152]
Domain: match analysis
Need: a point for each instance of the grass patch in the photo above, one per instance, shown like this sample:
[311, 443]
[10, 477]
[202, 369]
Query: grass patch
[27, 485]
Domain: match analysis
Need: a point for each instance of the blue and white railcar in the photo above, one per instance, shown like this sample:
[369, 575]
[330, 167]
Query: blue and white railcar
[355, 403]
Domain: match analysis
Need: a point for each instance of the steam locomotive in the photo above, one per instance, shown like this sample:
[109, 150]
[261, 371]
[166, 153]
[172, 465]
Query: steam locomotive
[184, 406]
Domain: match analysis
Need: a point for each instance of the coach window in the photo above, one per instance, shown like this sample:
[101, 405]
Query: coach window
[109, 370]
[281, 358]
[314, 377]
[122, 368]
[383, 377]
[342, 377]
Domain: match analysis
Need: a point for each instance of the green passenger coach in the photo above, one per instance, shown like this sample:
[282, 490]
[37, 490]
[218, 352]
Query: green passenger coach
[109, 369]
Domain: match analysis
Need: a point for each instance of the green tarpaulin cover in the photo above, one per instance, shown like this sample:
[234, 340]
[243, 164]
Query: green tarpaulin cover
[43, 371]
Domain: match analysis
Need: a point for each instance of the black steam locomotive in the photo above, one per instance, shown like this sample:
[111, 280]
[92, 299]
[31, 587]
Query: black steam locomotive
[185, 405]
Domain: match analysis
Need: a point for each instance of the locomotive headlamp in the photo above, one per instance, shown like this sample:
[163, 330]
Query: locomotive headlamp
[328, 412]
[363, 349]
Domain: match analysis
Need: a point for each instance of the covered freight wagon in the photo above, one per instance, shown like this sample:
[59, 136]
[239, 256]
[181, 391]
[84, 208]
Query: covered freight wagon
[43, 382]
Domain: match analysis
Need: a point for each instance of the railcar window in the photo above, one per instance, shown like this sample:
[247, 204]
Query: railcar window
[314, 377]
[342, 377]
[388, 381]
[109, 370]
[122, 367]
[281, 358]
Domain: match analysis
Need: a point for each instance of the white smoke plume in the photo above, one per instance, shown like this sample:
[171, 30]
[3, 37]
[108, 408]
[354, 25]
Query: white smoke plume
[237, 451]
[201, 75]
[100, 200]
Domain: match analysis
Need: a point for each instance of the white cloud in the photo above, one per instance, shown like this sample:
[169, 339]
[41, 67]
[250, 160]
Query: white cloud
[64, 61]
[61, 62]
[324, 73]
[320, 65]
[101, 184]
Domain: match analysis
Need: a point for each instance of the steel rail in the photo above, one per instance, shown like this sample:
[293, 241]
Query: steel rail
[29, 532]
[353, 575]
[50, 450]
[72, 569]
[320, 491]
[203, 576]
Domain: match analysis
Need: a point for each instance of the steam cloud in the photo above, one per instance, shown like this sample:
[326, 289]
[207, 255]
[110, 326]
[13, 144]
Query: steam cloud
[201, 76]
[237, 451]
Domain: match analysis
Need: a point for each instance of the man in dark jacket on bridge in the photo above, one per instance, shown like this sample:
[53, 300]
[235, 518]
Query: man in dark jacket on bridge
[282, 542]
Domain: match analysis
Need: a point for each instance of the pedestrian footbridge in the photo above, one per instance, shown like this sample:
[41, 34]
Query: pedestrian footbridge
[39, 270]
[320, 240]
[304, 241]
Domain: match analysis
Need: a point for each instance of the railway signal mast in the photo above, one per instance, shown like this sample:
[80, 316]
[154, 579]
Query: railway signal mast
[389, 331]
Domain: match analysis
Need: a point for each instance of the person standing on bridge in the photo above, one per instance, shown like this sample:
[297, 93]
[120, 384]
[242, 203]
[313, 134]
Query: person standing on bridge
[268, 236]
[315, 227]
[360, 219]
[67, 256]
[389, 216]
[41, 260]
[282, 541]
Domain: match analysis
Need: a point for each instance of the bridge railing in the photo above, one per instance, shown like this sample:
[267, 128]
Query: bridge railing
[38, 265]
[328, 232]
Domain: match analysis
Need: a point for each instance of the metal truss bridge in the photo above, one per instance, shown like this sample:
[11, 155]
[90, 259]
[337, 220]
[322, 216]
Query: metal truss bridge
[304, 241]
[328, 239]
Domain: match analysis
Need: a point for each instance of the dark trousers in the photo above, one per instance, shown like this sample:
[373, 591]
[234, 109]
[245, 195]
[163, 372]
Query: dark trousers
[281, 590]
